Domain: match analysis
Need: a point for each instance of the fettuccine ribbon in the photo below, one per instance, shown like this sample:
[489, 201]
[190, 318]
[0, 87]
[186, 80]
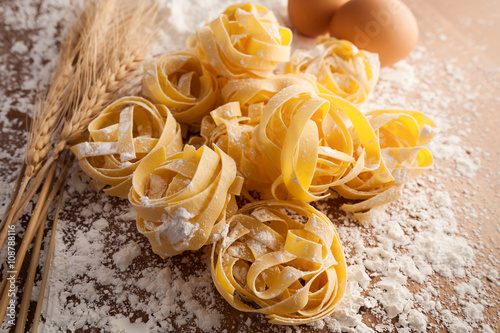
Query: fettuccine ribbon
[245, 41]
[120, 137]
[182, 200]
[340, 68]
[292, 272]
[401, 135]
[180, 82]
[305, 144]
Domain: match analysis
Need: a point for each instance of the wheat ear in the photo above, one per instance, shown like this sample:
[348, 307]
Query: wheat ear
[49, 109]
[116, 71]
[101, 68]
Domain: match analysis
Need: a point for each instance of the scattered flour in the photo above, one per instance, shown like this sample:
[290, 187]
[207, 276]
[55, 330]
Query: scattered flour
[124, 257]
[177, 228]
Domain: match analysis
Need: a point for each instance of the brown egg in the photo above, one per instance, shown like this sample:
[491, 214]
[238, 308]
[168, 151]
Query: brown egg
[312, 17]
[386, 27]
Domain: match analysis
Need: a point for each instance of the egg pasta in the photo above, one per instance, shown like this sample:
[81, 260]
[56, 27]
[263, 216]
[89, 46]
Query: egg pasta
[272, 263]
[120, 137]
[245, 41]
[182, 200]
[180, 82]
[340, 67]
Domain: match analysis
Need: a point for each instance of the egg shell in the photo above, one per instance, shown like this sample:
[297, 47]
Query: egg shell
[386, 27]
[312, 17]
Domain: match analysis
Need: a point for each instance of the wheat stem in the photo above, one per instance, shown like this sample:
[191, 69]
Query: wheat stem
[32, 227]
[30, 279]
[46, 268]
[23, 200]
[41, 210]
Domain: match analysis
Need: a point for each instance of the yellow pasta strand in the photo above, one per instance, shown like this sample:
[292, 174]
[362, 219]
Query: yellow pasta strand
[295, 136]
[401, 135]
[120, 137]
[231, 125]
[180, 82]
[293, 272]
[182, 200]
[340, 68]
[245, 41]
[305, 147]
[248, 92]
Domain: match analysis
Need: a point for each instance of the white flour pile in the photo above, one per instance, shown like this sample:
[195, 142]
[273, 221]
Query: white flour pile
[413, 270]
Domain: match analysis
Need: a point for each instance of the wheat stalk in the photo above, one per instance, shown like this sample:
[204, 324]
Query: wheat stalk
[104, 58]
[58, 188]
[48, 111]
[30, 279]
[46, 268]
[32, 227]
[47, 115]
[82, 70]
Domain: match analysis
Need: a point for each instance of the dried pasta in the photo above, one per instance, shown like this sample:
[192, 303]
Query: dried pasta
[231, 125]
[245, 41]
[182, 200]
[180, 82]
[248, 92]
[401, 135]
[273, 264]
[305, 146]
[296, 136]
[340, 68]
[120, 137]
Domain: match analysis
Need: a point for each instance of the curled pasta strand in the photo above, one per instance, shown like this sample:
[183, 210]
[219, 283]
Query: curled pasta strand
[305, 145]
[340, 68]
[283, 259]
[180, 82]
[245, 41]
[401, 135]
[182, 200]
[120, 137]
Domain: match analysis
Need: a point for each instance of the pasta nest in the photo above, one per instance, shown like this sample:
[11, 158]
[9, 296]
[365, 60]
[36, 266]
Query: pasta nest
[244, 41]
[120, 137]
[305, 145]
[340, 68]
[182, 200]
[252, 92]
[272, 263]
[180, 82]
[401, 135]
[231, 125]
